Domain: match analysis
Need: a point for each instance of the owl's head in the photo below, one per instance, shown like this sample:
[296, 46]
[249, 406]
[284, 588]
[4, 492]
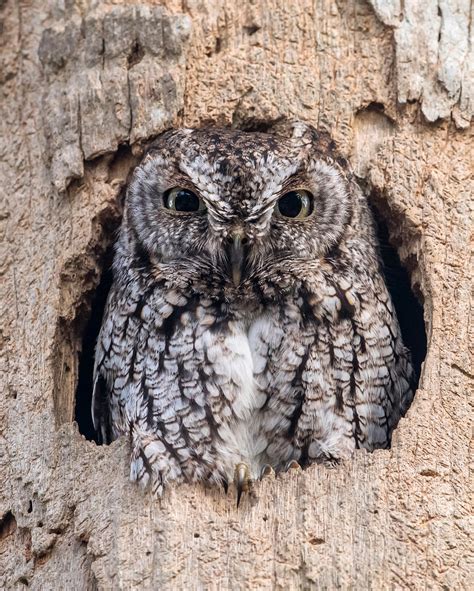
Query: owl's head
[235, 206]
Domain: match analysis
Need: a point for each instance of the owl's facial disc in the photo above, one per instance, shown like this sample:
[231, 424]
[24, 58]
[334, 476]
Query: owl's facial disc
[236, 209]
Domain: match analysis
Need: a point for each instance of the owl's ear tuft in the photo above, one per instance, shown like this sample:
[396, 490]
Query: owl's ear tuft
[166, 139]
[300, 129]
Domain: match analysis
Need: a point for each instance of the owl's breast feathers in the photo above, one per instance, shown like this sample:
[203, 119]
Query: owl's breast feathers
[310, 377]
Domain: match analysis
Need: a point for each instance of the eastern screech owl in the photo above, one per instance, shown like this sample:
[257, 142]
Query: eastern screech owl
[248, 326]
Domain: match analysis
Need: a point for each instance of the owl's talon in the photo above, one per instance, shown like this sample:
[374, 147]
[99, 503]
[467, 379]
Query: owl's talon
[267, 470]
[242, 480]
[292, 465]
[331, 461]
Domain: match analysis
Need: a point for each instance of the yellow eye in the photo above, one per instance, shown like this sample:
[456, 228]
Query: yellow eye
[296, 204]
[183, 200]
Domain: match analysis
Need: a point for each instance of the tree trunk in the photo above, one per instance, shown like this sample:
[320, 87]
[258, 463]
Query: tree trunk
[84, 86]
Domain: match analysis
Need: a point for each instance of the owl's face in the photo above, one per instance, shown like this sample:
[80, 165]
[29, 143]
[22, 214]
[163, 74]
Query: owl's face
[237, 206]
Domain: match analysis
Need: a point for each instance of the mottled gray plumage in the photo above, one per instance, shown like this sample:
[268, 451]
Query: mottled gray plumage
[215, 374]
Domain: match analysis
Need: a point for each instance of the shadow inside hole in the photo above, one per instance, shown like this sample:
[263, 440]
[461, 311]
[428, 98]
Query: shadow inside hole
[407, 306]
[83, 414]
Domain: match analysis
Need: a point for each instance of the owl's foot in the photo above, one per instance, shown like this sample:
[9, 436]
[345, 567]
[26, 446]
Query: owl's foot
[267, 470]
[292, 465]
[242, 480]
[331, 461]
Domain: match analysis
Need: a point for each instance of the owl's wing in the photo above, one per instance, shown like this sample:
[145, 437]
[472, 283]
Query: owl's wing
[106, 361]
[101, 417]
[356, 375]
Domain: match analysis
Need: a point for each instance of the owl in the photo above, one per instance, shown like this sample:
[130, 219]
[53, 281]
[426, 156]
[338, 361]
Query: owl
[248, 327]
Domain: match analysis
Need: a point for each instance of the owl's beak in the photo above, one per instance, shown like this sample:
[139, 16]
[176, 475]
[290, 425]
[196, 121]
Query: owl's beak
[237, 254]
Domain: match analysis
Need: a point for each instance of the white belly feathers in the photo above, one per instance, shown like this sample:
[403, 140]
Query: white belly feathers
[236, 358]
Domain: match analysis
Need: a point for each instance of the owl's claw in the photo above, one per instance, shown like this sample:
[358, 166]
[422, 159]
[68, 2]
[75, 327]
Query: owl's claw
[292, 465]
[267, 470]
[242, 480]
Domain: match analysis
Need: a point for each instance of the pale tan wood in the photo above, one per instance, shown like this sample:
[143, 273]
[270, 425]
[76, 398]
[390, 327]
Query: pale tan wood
[80, 78]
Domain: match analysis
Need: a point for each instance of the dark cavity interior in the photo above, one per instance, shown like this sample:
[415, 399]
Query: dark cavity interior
[82, 413]
[408, 307]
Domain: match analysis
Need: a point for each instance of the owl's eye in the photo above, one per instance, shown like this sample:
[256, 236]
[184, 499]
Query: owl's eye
[183, 200]
[296, 204]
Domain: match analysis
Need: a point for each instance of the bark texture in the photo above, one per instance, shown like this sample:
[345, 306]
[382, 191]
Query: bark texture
[84, 85]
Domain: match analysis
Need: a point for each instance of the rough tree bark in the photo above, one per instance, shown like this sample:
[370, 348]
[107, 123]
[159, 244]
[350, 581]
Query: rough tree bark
[84, 85]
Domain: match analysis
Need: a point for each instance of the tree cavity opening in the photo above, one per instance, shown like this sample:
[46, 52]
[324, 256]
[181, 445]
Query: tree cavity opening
[407, 300]
[84, 280]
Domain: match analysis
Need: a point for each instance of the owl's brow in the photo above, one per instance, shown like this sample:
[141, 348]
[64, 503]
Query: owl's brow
[295, 180]
[185, 172]
[179, 176]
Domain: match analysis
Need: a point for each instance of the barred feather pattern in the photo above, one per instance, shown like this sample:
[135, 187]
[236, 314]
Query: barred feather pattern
[302, 360]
